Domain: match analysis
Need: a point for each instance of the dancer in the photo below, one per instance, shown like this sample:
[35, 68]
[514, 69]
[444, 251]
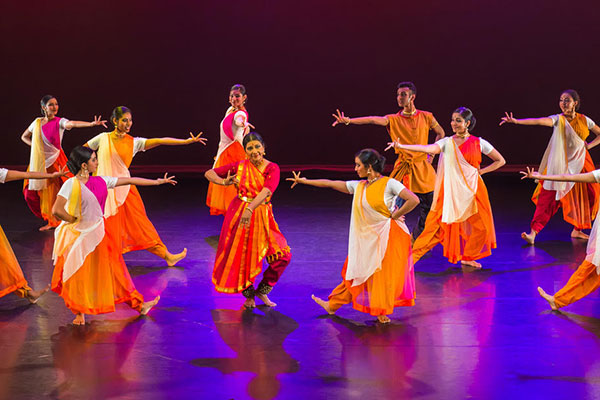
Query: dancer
[44, 135]
[249, 233]
[378, 273]
[410, 126]
[12, 279]
[233, 128]
[567, 152]
[586, 278]
[125, 212]
[461, 216]
[89, 271]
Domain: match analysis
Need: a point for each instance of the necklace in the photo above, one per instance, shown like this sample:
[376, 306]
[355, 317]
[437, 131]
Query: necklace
[467, 134]
[409, 114]
[373, 179]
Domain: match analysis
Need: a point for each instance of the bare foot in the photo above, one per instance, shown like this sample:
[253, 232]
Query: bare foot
[529, 237]
[473, 264]
[33, 296]
[548, 298]
[173, 259]
[249, 303]
[265, 299]
[322, 303]
[147, 306]
[579, 235]
[79, 319]
[46, 228]
[383, 319]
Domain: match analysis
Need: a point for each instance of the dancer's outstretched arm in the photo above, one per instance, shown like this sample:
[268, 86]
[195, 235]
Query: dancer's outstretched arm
[168, 141]
[147, 182]
[423, 148]
[340, 118]
[340, 186]
[13, 175]
[509, 119]
[587, 177]
[26, 136]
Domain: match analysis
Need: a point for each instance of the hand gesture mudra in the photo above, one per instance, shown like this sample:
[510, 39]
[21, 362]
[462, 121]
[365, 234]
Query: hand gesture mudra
[230, 180]
[197, 139]
[530, 173]
[340, 118]
[167, 179]
[99, 121]
[508, 118]
[395, 145]
[296, 179]
[63, 171]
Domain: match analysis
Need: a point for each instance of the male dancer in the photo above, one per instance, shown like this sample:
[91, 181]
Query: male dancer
[410, 126]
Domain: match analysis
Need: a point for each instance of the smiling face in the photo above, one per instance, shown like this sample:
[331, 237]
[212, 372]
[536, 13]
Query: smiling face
[255, 151]
[51, 108]
[405, 97]
[237, 99]
[123, 125]
[360, 168]
[459, 124]
[567, 104]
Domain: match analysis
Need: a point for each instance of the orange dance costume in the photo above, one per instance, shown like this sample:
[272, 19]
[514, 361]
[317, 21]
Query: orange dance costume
[586, 278]
[461, 217]
[241, 250]
[12, 279]
[230, 151]
[89, 271]
[125, 212]
[567, 154]
[46, 155]
[378, 274]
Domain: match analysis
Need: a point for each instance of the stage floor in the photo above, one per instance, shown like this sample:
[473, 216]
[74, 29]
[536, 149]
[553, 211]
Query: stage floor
[472, 334]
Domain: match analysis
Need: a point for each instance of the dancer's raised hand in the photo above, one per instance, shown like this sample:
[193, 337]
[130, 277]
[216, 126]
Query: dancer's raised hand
[99, 121]
[530, 173]
[296, 179]
[197, 139]
[63, 171]
[395, 144]
[340, 118]
[230, 179]
[167, 179]
[508, 118]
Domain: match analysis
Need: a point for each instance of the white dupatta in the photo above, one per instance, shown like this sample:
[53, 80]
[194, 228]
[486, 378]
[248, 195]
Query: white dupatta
[565, 154]
[111, 164]
[75, 241]
[368, 239]
[43, 154]
[460, 180]
[238, 133]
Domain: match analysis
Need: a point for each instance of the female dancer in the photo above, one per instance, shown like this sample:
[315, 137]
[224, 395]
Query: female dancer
[44, 135]
[567, 153]
[378, 274]
[461, 216]
[586, 279]
[89, 271]
[125, 213]
[249, 232]
[12, 279]
[233, 128]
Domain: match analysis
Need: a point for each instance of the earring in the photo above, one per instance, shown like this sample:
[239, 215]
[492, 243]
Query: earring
[84, 172]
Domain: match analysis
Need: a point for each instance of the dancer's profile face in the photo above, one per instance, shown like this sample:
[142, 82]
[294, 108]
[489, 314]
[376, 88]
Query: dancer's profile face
[51, 107]
[124, 123]
[404, 97]
[255, 151]
[92, 163]
[566, 103]
[360, 168]
[236, 99]
[458, 123]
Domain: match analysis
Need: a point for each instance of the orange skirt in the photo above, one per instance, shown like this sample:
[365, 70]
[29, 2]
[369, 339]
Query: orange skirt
[392, 286]
[100, 283]
[219, 197]
[11, 275]
[469, 240]
[131, 226]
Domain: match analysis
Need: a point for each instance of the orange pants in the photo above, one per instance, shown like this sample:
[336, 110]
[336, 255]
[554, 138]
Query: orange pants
[583, 282]
[340, 296]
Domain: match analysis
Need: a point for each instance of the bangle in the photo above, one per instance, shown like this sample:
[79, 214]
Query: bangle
[347, 123]
[223, 182]
[249, 209]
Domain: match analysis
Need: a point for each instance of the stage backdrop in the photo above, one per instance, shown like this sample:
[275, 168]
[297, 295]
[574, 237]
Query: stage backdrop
[173, 62]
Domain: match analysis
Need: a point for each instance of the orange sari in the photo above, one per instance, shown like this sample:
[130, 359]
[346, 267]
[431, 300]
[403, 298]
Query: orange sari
[11, 275]
[241, 249]
[470, 239]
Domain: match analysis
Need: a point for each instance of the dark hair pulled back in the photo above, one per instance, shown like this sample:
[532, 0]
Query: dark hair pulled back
[371, 158]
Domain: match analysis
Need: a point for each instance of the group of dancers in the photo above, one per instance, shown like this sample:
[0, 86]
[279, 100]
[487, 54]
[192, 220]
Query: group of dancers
[93, 203]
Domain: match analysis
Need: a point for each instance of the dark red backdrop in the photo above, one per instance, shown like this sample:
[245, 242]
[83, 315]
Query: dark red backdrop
[173, 62]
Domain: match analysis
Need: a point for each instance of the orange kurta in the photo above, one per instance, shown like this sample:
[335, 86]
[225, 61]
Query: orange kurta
[392, 285]
[241, 249]
[469, 240]
[580, 205]
[412, 168]
[11, 275]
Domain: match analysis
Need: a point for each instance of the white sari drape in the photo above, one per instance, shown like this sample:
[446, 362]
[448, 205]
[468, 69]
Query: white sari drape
[460, 180]
[238, 133]
[111, 164]
[43, 154]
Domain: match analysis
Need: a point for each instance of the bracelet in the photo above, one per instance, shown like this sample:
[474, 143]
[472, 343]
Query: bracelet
[249, 209]
[223, 182]
[347, 123]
